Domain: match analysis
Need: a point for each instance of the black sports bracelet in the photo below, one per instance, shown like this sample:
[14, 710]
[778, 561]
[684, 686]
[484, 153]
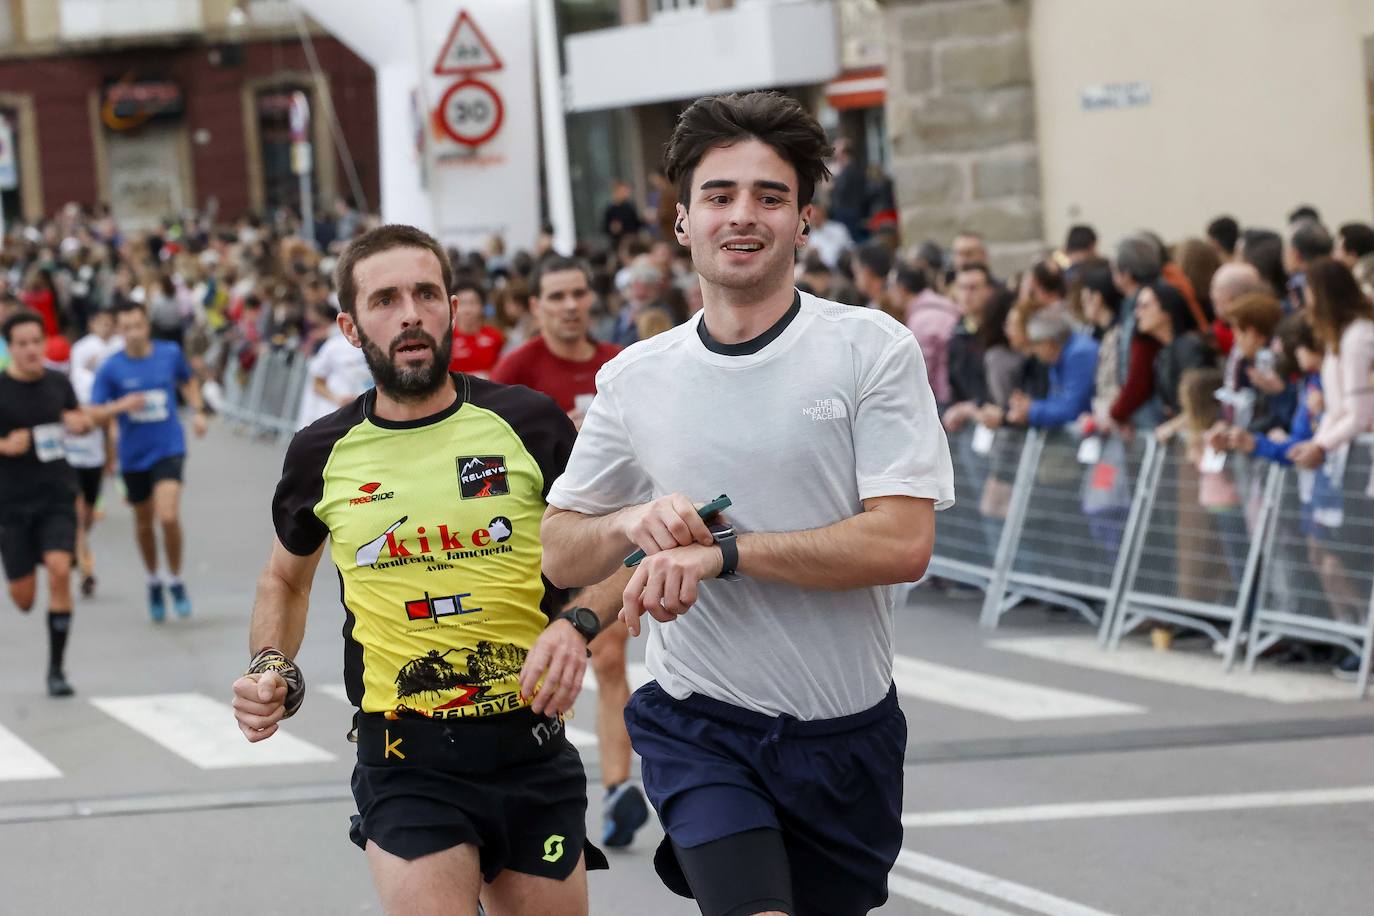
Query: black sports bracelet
[270, 659]
[724, 536]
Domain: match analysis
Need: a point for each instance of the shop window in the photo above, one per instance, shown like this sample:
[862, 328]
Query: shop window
[281, 186]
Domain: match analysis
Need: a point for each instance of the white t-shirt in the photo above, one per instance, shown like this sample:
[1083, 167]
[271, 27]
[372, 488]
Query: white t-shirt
[344, 370]
[833, 410]
[88, 354]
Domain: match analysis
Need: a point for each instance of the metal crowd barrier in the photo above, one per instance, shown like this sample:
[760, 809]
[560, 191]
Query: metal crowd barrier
[1317, 583]
[1249, 554]
[970, 545]
[1073, 520]
[1193, 563]
[268, 401]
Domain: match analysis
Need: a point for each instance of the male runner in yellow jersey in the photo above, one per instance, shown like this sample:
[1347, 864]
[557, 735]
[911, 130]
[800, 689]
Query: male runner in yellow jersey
[430, 489]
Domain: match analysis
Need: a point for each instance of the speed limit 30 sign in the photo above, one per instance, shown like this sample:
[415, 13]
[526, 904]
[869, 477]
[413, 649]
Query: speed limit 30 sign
[471, 112]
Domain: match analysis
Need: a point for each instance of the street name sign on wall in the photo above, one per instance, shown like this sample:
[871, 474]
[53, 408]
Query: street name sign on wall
[1110, 96]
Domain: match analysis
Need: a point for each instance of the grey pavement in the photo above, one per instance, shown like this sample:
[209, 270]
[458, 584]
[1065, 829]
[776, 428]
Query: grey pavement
[1062, 789]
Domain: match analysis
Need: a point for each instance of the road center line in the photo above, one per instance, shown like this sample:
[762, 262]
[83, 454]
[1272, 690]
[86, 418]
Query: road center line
[1137, 807]
[992, 886]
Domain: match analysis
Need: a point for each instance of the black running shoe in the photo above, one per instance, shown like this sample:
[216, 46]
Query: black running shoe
[623, 812]
[57, 684]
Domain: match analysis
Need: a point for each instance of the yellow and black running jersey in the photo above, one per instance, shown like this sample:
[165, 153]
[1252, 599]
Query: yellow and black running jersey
[434, 526]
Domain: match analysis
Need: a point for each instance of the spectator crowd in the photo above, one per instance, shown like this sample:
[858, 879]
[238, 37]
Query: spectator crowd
[1242, 339]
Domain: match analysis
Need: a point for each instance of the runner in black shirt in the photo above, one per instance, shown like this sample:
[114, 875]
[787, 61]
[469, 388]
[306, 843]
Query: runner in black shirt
[37, 487]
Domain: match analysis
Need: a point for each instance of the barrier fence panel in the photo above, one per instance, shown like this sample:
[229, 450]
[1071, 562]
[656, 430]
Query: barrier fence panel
[1193, 564]
[1318, 579]
[969, 533]
[265, 400]
[1081, 509]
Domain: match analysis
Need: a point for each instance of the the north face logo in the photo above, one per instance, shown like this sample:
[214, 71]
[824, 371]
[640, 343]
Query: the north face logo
[826, 409]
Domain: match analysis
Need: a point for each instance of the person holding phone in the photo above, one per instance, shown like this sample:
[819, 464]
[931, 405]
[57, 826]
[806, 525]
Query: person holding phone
[771, 737]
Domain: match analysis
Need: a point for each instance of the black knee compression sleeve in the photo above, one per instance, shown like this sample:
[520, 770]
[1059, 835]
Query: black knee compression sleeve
[739, 875]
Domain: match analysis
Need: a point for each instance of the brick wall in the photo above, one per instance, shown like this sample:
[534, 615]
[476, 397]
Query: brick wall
[961, 124]
[60, 87]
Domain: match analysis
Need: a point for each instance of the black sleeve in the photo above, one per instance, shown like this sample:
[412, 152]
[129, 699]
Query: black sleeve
[548, 436]
[69, 401]
[302, 482]
[541, 424]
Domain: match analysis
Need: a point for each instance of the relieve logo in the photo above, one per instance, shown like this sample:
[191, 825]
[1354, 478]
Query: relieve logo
[826, 409]
[372, 495]
[428, 608]
[388, 549]
[482, 475]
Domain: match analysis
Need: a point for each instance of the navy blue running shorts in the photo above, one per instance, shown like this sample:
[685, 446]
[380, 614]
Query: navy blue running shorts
[833, 787]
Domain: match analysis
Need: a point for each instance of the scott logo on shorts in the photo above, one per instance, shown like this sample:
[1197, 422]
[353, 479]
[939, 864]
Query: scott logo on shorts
[482, 475]
[553, 848]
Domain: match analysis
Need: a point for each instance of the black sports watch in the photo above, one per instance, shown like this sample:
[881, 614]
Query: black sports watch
[584, 621]
[724, 536]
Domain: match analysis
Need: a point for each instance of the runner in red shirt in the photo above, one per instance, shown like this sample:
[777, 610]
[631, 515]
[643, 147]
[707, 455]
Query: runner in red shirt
[562, 362]
[563, 359]
[476, 346]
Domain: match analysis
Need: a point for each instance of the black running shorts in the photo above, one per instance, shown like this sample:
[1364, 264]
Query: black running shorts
[138, 485]
[28, 532]
[511, 785]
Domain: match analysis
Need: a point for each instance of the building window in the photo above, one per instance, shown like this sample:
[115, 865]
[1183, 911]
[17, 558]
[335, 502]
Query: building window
[659, 7]
[11, 173]
[280, 185]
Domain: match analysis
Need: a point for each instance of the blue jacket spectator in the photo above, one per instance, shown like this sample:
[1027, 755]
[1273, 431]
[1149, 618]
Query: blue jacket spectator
[1301, 431]
[1072, 359]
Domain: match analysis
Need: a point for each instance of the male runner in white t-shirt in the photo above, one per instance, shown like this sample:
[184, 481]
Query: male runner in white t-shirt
[771, 737]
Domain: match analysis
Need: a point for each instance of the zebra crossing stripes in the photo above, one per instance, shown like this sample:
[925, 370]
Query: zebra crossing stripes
[203, 732]
[19, 761]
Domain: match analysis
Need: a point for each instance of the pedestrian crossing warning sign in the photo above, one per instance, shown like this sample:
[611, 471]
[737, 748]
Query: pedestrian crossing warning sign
[466, 51]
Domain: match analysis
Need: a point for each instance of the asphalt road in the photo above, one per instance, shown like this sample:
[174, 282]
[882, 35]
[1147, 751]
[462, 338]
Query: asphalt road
[1044, 775]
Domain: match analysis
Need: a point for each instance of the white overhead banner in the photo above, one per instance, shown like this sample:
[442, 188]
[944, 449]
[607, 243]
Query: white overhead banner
[481, 133]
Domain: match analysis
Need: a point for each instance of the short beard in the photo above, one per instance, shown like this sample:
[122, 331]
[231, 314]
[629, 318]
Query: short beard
[407, 384]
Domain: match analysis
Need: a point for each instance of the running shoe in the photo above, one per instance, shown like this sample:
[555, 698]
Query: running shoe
[1348, 669]
[57, 684]
[87, 586]
[157, 604]
[623, 812]
[180, 603]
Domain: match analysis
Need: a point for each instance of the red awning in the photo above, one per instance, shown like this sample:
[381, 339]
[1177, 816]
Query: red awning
[857, 89]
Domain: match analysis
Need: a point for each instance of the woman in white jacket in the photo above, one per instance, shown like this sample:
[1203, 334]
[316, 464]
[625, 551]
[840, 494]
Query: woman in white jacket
[1343, 319]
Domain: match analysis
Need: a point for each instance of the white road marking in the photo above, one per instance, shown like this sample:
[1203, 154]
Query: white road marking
[19, 761]
[580, 737]
[637, 674]
[992, 886]
[998, 696]
[202, 731]
[1186, 669]
[1136, 807]
[337, 691]
[940, 900]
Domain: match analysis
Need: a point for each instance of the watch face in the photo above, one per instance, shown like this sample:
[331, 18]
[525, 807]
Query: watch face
[586, 620]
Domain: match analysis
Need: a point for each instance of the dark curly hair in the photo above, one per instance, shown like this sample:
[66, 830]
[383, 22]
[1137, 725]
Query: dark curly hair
[770, 117]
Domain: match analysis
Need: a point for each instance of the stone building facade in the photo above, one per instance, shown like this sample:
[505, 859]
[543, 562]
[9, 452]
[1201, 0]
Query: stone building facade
[961, 124]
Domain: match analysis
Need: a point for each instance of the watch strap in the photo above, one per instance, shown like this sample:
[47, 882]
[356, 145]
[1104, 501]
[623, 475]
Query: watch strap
[724, 536]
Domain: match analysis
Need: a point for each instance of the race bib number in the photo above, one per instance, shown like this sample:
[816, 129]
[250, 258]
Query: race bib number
[49, 442]
[1090, 450]
[154, 409]
[983, 437]
[1212, 461]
